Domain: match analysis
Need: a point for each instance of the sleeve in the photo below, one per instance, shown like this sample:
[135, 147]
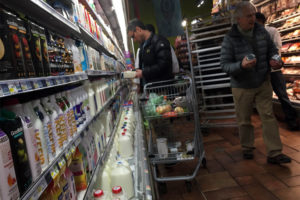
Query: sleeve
[228, 63]
[163, 64]
[137, 65]
[277, 40]
[272, 49]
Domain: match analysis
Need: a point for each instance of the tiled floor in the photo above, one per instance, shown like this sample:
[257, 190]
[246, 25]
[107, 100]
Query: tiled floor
[229, 176]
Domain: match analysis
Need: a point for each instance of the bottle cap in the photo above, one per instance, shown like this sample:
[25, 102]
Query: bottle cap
[98, 193]
[116, 189]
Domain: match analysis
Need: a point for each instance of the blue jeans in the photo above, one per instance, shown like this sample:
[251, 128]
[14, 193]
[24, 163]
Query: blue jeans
[279, 87]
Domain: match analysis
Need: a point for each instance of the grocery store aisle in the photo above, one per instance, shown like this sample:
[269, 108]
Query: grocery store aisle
[229, 176]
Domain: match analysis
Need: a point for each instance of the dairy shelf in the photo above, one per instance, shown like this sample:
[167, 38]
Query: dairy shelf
[41, 183]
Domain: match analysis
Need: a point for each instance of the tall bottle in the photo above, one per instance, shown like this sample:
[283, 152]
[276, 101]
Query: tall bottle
[63, 108]
[9, 188]
[39, 135]
[47, 127]
[12, 126]
[45, 102]
[69, 114]
[62, 135]
[31, 145]
[72, 103]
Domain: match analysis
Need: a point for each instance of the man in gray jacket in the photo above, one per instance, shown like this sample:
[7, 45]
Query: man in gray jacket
[250, 80]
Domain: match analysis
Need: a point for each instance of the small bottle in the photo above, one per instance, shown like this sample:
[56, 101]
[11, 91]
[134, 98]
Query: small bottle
[117, 193]
[99, 195]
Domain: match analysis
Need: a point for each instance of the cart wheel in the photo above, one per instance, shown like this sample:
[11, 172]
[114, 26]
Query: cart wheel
[188, 185]
[162, 187]
[204, 162]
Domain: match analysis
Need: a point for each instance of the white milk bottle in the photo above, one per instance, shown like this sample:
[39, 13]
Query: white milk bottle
[91, 99]
[99, 195]
[39, 135]
[105, 182]
[108, 124]
[98, 99]
[122, 176]
[8, 189]
[125, 146]
[54, 122]
[31, 145]
[86, 103]
[97, 140]
[60, 125]
[118, 193]
[79, 115]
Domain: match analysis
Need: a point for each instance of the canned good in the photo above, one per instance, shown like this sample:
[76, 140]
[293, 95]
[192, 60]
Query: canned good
[250, 56]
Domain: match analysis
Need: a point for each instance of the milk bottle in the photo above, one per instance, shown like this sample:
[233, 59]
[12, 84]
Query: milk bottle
[60, 125]
[105, 182]
[117, 193]
[99, 195]
[54, 122]
[96, 91]
[125, 146]
[9, 189]
[122, 176]
[85, 103]
[47, 127]
[31, 145]
[92, 100]
[12, 126]
[66, 97]
[39, 135]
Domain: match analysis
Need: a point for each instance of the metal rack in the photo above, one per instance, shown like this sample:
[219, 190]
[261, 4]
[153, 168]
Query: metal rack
[212, 84]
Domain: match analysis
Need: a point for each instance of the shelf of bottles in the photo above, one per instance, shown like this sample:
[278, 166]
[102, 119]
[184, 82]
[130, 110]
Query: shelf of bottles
[64, 157]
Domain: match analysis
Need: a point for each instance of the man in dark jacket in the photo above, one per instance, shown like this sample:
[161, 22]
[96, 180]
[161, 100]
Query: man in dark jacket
[250, 80]
[155, 59]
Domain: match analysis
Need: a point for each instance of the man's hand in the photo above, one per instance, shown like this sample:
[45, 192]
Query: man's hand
[139, 73]
[275, 64]
[246, 64]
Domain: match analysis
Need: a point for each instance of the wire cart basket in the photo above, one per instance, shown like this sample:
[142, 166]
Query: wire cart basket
[175, 136]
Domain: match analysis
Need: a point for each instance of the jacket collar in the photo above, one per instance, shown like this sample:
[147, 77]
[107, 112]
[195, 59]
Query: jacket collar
[234, 32]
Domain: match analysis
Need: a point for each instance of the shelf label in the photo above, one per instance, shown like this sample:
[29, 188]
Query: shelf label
[24, 86]
[63, 80]
[77, 142]
[18, 85]
[73, 148]
[48, 82]
[12, 87]
[62, 163]
[68, 156]
[54, 172]
[67, 79]
[39, 190]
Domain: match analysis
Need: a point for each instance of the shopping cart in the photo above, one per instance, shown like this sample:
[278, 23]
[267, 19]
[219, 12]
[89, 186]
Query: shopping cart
[170, 107]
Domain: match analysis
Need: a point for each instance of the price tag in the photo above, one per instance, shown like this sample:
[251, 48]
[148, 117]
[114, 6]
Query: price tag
[35, 85]
[73, 149]
[53, 82]
[69, 157]
[12, 87]
[67, 79]
[54, 172]
[77, 142]
[18, 85]
[29, 85]
[39, 190]
[62, 163]
[48, 82]
[24, 86]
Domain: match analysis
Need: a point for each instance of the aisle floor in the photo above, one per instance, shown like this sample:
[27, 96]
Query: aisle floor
[229, 176]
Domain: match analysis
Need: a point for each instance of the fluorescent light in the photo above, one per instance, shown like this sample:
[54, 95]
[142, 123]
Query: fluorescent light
[194, 21]
[118, 6]
[183, 23]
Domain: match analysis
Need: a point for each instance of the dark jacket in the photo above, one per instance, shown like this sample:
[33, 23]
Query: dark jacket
[155, 59]
[235, 47]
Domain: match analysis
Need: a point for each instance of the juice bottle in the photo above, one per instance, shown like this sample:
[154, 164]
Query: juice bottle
[12, 126]
[71, 111]
[29, 68]
[11, 59]
[87, 161]
[31, 145]
[47, 127]
[63, 108]
[78, 170]
[39, 135]
[60, 125]
[69, 114]
[45, 102]
[8, 187]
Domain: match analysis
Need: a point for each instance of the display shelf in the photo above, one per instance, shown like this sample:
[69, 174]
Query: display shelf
[291, 39]
[292, 65]
[207, 49]
[211, 26]
[290, 52]
[286, 17]
[44, 14]
[19, 86]
[101, 160]
[292, 76]
[41, 183]
[100, 73]
[212, 31]
[208, 38]
[290, 28]
[262, 3]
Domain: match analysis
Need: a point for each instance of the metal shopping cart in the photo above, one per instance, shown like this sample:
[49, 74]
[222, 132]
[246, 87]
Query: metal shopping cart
[171, 109]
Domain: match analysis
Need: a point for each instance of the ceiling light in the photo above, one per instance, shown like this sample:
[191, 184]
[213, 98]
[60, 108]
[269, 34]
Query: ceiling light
[194, 21]
[183, 23]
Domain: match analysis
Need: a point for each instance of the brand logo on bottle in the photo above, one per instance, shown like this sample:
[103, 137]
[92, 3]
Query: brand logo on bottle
[13, 133]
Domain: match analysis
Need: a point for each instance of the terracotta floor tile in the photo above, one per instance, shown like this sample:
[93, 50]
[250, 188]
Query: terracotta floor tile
[293, 181]
[291, 141]
[231, 136]
[215, 181]
[223, 158]
[258, 192]
[295, 156]
[245, 180]
[212, 137]
[284, 171]
[242, 198]
[225, 193]
[288, 194]
[244, 168]
[214, 166]
[270, 182]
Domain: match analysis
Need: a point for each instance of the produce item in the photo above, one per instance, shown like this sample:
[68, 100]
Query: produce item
[163, 109]
[179, 110]
[169, 114]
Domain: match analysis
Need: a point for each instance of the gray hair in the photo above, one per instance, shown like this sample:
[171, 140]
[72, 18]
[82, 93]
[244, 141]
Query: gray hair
[239, 8]
[135, 23]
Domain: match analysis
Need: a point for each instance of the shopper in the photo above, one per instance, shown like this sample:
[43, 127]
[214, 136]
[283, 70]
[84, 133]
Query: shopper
[277, 79]
[155, 61]
[250, 80]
